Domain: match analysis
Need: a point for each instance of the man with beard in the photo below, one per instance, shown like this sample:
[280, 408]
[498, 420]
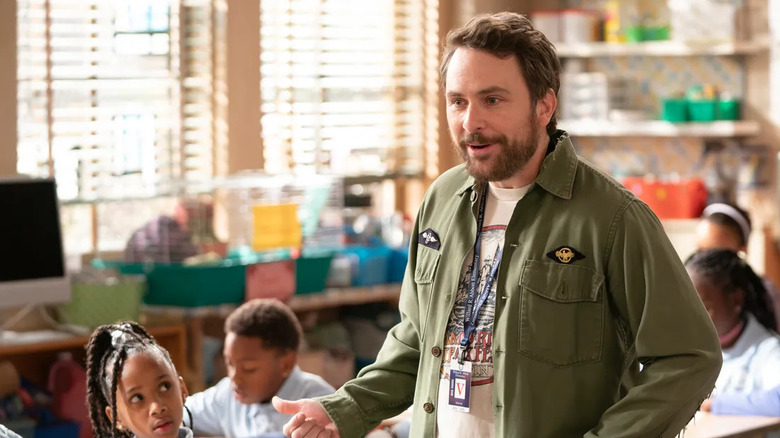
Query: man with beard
[542, 299]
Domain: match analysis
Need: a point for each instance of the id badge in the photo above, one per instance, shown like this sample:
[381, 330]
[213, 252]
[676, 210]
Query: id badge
[460, 385]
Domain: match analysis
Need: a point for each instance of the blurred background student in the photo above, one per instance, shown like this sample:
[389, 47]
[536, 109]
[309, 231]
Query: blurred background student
[728, 226]
[738, 303]
[762, 403]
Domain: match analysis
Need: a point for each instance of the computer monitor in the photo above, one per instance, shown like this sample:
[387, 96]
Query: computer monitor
[32, 270]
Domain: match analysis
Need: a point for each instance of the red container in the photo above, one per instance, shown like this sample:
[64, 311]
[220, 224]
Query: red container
[271, 280]
[684, 199]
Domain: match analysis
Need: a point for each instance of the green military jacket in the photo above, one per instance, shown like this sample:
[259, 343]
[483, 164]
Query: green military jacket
[568, 338]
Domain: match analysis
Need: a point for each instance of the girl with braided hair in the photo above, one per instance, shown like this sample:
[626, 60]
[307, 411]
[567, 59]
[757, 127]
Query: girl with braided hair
[741, 310]
[133, 389]
[728, 226]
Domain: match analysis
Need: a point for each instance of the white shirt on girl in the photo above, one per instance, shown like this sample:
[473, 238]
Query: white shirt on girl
[752, 363]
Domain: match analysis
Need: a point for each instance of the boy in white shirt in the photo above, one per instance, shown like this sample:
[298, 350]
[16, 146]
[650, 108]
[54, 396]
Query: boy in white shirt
[261, 355]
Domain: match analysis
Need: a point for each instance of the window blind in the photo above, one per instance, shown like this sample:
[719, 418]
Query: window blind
[344, 85]
[119, 101]
[116, 98]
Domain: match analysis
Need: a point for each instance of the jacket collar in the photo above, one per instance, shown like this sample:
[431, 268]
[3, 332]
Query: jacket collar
[558, 168]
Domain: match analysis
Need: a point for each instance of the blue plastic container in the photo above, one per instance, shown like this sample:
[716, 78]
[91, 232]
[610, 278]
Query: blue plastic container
[398, 260]
[58, 429]
[373, 264]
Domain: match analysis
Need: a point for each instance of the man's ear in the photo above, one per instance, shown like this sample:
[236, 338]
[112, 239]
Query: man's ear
[545, 108]
[184, 392]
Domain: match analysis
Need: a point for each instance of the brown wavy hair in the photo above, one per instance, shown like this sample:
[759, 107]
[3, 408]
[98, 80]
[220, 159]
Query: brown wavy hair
[510, 34]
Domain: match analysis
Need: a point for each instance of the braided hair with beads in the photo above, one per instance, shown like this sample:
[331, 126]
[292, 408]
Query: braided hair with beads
[729, 272]
[107, 350]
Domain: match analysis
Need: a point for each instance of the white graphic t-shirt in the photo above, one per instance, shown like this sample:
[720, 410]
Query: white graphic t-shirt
[478, 422]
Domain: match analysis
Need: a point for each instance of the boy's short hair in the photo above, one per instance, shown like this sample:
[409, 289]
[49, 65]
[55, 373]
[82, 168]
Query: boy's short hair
[268, 319]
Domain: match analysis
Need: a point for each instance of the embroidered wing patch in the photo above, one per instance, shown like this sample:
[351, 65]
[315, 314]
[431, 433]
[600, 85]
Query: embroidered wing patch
[430, 239]
[565, 255]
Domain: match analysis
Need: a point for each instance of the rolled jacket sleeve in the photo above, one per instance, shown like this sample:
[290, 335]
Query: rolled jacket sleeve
[665, 329]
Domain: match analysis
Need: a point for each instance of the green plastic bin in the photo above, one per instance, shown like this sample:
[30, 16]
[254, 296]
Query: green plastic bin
[703, 110]
[195, 286]
[674, 110]
[94, 304]
[311, 273]
[728, 109]
[187, 286]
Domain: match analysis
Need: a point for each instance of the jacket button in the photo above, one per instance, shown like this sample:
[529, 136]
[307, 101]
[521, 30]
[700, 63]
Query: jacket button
[428, 407]
[436, 351]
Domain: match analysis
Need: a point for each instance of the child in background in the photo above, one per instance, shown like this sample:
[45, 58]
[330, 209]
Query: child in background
[133, 389]
[728, 226]
[724, 226]
[261, 354]
[763, 403]
[738, 305]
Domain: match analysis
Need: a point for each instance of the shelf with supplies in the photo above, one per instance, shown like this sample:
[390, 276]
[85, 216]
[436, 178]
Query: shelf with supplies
[661, 48]
[329, 298]
[659, 128]
[337, 297]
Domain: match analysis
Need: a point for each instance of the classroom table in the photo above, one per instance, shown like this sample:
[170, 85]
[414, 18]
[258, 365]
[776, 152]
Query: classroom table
[706, 425]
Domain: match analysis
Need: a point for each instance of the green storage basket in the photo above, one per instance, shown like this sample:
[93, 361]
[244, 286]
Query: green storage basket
[195, 286]
[703, 110]
[187, 286]
[728, 109]
[674, 110]
[94, 304]
[634, 34]
[311, 273]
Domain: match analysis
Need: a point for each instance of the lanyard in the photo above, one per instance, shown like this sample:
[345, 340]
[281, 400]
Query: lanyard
[475, 300]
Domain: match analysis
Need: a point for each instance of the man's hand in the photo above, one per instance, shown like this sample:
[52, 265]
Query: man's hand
[309, 419]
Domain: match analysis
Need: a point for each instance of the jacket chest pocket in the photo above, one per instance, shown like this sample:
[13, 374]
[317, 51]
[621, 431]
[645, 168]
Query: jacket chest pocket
[562, 313]
[424, 274]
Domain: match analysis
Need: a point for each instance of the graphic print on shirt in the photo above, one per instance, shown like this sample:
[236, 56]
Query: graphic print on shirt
[482, 339]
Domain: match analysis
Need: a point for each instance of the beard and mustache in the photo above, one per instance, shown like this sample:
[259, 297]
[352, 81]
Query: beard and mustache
[510, 157]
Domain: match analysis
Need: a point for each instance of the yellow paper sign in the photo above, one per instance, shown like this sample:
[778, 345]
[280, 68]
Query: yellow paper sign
[275, 226]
